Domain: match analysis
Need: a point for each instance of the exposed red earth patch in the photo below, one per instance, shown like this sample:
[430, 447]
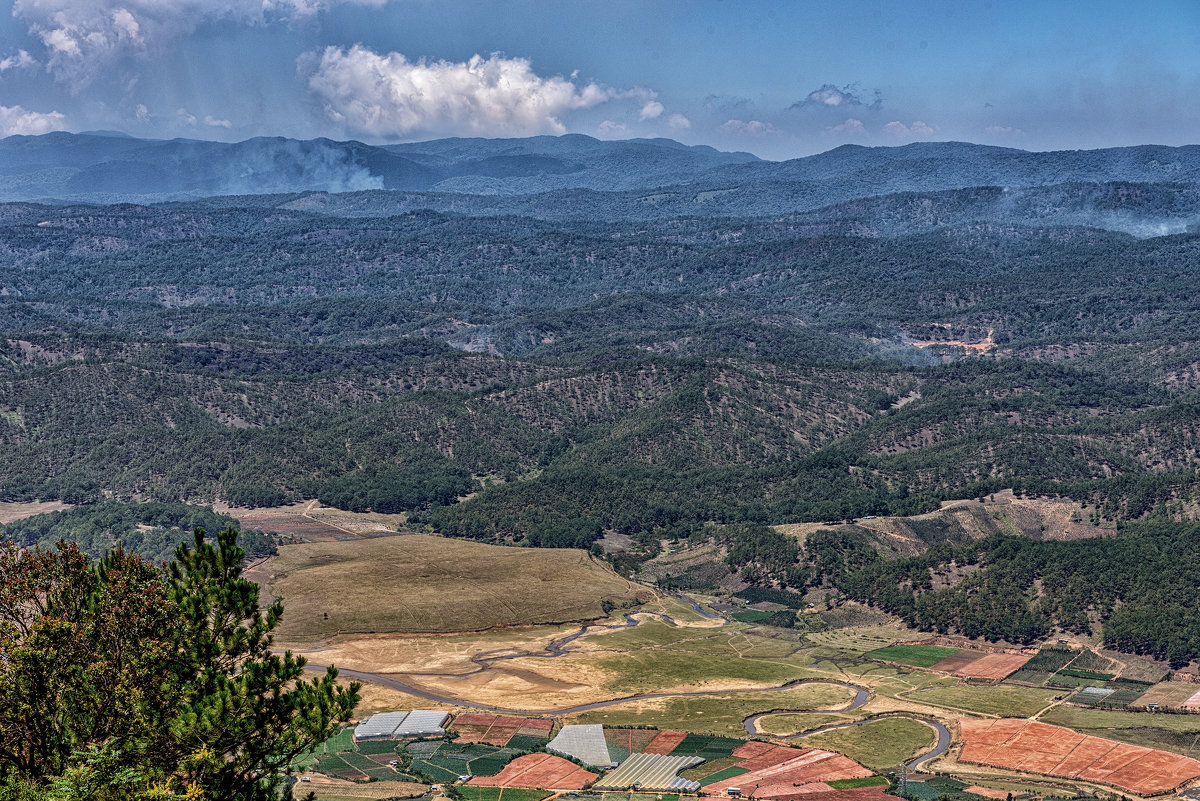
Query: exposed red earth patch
[782, 779]
[539, 771]
[665, 742]
[1054, 751]
[498, 729]
[994, 666]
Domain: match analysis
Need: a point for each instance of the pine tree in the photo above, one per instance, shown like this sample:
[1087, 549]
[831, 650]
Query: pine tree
[244, 712]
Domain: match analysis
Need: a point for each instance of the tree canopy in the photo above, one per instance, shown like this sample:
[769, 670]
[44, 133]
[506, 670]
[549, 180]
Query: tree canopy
[120, 680]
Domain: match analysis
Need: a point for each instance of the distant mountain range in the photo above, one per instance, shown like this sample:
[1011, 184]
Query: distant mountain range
[879, 191]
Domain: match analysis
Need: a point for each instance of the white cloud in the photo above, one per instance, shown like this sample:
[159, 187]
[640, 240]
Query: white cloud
[388, 95]
[82, 36]
[749, 128]
[15, 120]
[915, 131]
[142, 112]
[20, 61]
[613, 130]
[651, 110]
[185, 116]
[213, 122]
[831, 96]
[679, 122]
[851, 127]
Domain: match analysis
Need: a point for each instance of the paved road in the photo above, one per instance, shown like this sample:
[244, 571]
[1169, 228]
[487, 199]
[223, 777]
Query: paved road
[862, 695]
[940, 747]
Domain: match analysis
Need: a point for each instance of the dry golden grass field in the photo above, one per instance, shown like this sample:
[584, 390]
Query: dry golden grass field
[425, 584]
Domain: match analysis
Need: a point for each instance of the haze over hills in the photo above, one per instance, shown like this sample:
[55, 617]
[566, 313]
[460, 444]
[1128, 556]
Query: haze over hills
[1145, 191]
[632, 338]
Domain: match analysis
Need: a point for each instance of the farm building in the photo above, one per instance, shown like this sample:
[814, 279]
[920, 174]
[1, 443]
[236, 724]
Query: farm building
[402, 725]
[652, 773]
[583, 742]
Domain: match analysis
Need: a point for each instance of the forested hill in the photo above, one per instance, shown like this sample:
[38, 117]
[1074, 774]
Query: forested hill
[559, 339]
[1146, 190]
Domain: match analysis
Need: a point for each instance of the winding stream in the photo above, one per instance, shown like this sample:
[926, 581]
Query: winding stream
[561, 647]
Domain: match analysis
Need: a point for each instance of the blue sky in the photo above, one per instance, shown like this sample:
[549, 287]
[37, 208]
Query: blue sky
[780, 79]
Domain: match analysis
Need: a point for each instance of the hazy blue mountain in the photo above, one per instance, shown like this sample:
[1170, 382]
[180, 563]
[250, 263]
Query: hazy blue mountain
[1145, 191]
[101, 167]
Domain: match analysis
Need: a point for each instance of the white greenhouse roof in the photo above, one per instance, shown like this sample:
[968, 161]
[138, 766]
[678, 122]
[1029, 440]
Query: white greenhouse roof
[652, 772]
[583, 742]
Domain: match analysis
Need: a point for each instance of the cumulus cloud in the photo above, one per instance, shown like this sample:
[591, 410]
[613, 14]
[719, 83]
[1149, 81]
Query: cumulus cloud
[142, 112]
[388, 95]
[21, 60]
[749, 128]
[612, 130]
[831, 96]
[652, 110]
[15, 120]
[185, 116]
[213, 122]
[679, 122]
[915, 131]
[851, 127]
[83, 36]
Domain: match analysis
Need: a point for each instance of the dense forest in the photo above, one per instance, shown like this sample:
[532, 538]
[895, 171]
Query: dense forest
[1137, 589]
[151, 530]
[856, 334]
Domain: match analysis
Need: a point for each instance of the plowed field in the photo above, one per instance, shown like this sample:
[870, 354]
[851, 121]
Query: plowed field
[539, 771]
[1041, 748]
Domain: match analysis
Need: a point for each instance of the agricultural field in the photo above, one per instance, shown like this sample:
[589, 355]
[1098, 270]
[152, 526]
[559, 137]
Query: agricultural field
[329, 789]
[915, 655]
[878, 744]
[472, 793]
[1040, 748]
[1002, 699]
[401, 585]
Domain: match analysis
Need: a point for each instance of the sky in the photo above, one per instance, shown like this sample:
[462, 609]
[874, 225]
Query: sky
[779, 79]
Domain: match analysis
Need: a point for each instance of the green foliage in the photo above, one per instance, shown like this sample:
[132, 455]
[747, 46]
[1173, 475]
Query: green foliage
[1140, 583]
[167, 679]
[153, 530]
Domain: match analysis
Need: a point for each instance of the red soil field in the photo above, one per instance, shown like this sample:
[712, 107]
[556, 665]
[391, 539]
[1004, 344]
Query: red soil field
[498, 729]
[987, 792]
[1052, 750]
[665, 742]
[765, 758]
[542, 771]
[994, 666]
[957, 661]
[781, 779]
[632, 740]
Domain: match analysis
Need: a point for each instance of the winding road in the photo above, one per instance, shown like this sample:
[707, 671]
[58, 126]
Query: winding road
[560, 647]
[940, 746]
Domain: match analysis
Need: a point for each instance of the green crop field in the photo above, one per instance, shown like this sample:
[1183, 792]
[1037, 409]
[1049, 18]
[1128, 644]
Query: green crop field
[750, 616]
[470, 793]
[915, 655]
[1085, 674]
[721, 775]
[878, 744]
[353, 586]
[1001, 699]
[854, 784]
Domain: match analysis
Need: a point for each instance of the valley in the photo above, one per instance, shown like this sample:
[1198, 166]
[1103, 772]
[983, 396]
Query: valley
[844, 474]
